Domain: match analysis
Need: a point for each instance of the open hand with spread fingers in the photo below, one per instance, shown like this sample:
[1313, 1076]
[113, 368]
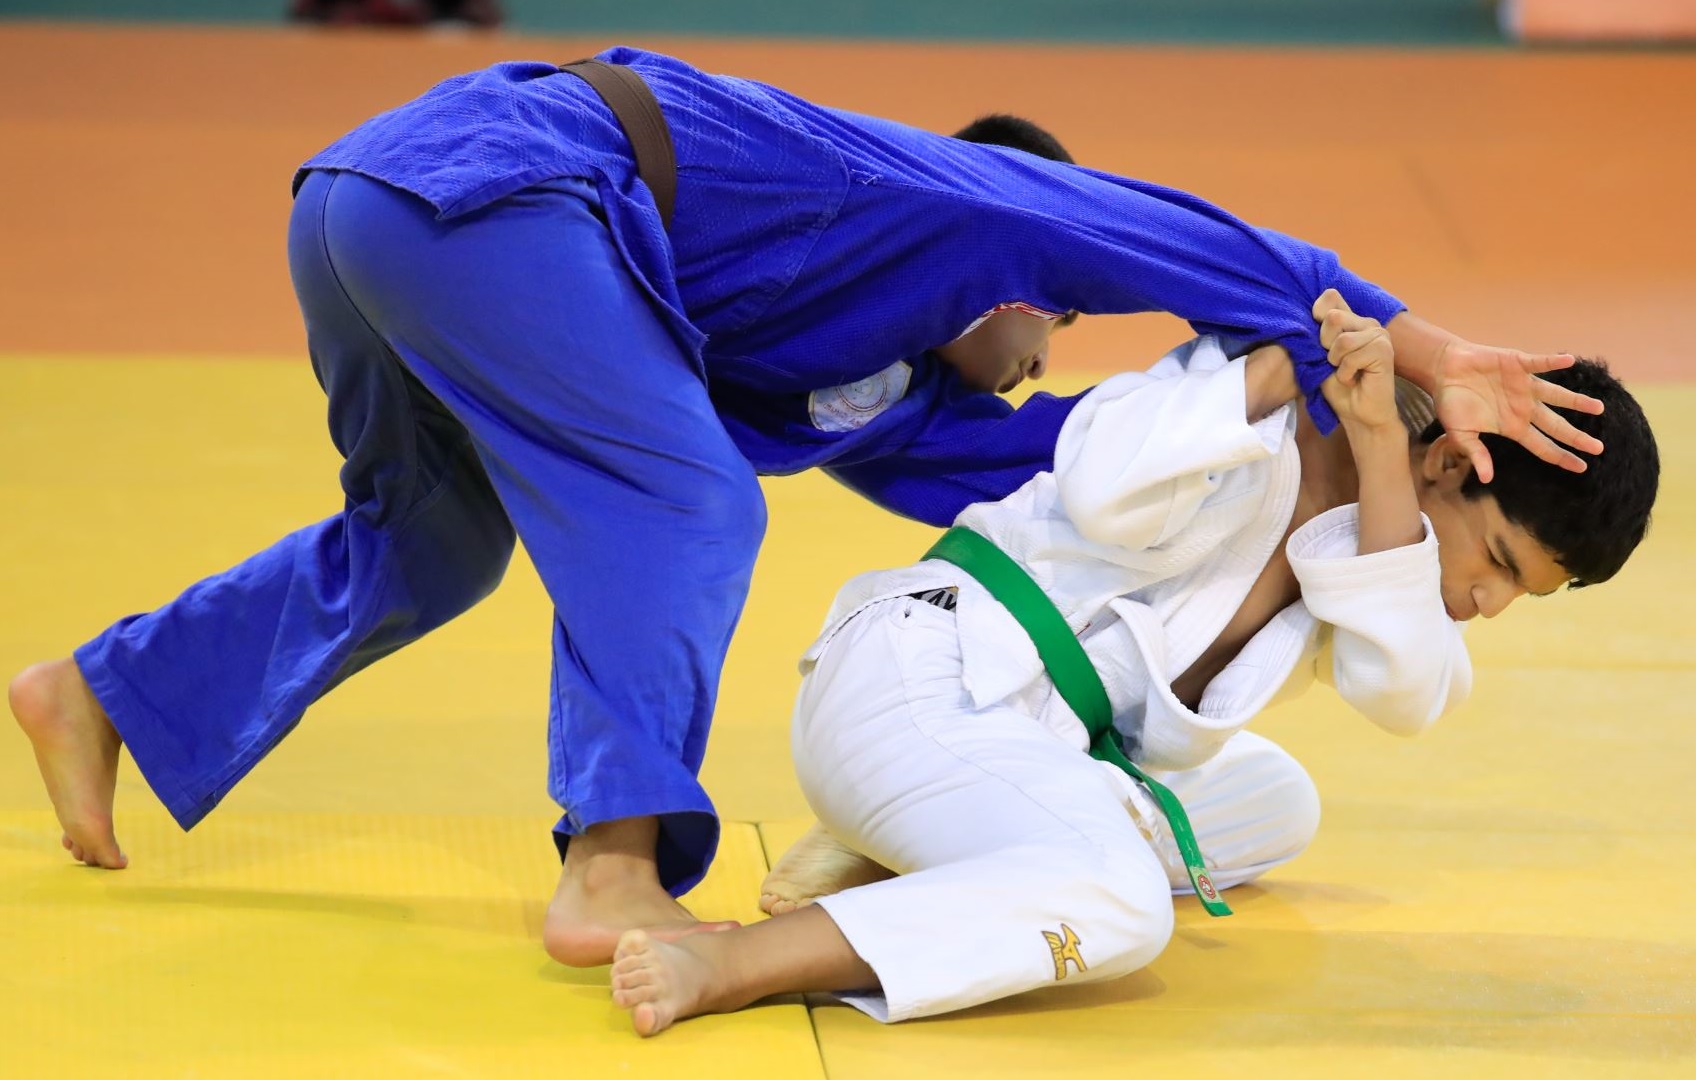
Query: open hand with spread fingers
[1485, 389]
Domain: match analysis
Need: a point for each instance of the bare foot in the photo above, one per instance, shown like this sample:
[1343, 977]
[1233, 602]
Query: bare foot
[76, 748]
[818, 865]
[660, 982]
[609, 885]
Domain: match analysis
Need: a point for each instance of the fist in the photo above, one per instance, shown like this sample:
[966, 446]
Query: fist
[1363, 388]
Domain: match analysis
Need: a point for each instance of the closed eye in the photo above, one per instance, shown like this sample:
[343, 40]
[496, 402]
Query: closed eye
[1507, 562]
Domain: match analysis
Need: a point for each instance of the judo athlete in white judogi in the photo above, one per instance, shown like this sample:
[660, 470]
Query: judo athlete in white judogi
[1208, 551]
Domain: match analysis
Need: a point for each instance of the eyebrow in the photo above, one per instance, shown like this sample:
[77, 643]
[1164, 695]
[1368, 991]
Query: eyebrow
[1505, 553]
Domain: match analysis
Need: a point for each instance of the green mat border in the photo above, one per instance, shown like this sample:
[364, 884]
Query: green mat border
[1316, 22]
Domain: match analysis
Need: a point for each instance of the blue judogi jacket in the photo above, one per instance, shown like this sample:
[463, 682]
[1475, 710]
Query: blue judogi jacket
[814, 250]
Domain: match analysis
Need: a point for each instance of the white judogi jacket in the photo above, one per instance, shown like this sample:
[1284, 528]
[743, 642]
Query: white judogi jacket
[1163, 507]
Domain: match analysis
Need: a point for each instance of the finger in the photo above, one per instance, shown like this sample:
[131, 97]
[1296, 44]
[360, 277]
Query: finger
[1330, 326]
[1536, 363]
[1340, 321]
[1361, 348]
[1560, 429]
[1550, 451]
[1333, 390]
[1343, 321]
[1562, 398]
[1328, 300]
[1474, 448]
[1354, 366]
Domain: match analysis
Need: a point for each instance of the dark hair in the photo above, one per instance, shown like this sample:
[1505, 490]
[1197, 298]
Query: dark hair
[1005, 129]
[1002, 129]
[1589, 521]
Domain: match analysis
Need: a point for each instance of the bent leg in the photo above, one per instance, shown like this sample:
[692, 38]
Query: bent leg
[590, 411]
[1020, 866]
[1252, 806]
[202, 688]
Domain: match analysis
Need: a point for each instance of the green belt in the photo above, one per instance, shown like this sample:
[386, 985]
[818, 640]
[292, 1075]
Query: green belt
[1074, 677]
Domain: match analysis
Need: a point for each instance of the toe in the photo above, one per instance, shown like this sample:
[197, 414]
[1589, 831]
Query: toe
[100, 848]
[630, 965]
[633, 943]
[624, 978]
[647, 1019]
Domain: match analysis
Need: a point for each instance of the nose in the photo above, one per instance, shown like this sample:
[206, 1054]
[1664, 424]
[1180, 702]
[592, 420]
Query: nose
[1493, 598]
[1039, 364]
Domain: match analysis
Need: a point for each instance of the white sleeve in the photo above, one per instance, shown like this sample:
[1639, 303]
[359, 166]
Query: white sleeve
[1397, 656]
[1141, 452]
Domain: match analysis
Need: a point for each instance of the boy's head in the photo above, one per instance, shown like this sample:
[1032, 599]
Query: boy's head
[1003, 129]
[1011, 345]
[1536, 526]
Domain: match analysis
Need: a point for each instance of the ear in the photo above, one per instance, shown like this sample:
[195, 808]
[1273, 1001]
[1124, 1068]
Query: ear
[1445, 464]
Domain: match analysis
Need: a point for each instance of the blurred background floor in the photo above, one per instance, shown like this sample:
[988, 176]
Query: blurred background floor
[1503, 897]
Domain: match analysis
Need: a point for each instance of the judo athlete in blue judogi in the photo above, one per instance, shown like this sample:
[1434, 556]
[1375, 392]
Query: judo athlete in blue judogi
[513, 343]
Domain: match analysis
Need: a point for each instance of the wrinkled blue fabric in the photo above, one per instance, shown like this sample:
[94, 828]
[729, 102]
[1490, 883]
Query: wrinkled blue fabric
[812, 247]
[513, 346]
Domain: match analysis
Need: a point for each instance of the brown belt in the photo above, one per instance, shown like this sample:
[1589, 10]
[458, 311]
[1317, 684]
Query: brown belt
[637, 111]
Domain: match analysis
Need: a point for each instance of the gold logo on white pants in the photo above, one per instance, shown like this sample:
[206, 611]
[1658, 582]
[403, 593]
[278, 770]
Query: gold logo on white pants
[1064, 946]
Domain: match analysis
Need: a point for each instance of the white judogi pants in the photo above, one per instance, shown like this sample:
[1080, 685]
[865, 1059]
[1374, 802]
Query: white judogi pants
[1023, 860]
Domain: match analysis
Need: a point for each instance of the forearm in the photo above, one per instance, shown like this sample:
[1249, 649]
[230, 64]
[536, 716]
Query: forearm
[1269, 382]
[1389, 507]
[1419, 347]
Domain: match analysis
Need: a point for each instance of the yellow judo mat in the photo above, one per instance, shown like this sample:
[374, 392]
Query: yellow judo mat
[1508, 896]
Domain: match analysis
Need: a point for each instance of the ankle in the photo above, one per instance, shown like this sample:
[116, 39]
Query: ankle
[617, 852]
[613, 871]
[626, 836]
[725, 986]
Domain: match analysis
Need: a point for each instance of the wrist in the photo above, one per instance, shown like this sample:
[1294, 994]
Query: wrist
[1419, 347]
[1379, 441]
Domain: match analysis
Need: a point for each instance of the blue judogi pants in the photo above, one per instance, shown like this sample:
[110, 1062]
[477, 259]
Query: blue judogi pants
[500, 371]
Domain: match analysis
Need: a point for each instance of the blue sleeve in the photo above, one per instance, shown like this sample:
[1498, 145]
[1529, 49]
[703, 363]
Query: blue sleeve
[1320, 267]
[911, 262]
[973, 447]
[1149, 247]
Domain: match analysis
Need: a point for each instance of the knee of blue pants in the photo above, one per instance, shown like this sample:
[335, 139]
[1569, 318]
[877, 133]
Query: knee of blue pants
[425, 535]
[734, 513]
[639, 512]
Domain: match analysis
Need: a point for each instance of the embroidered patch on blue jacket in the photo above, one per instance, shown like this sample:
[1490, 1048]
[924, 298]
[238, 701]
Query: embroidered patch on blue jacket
[854, 405]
